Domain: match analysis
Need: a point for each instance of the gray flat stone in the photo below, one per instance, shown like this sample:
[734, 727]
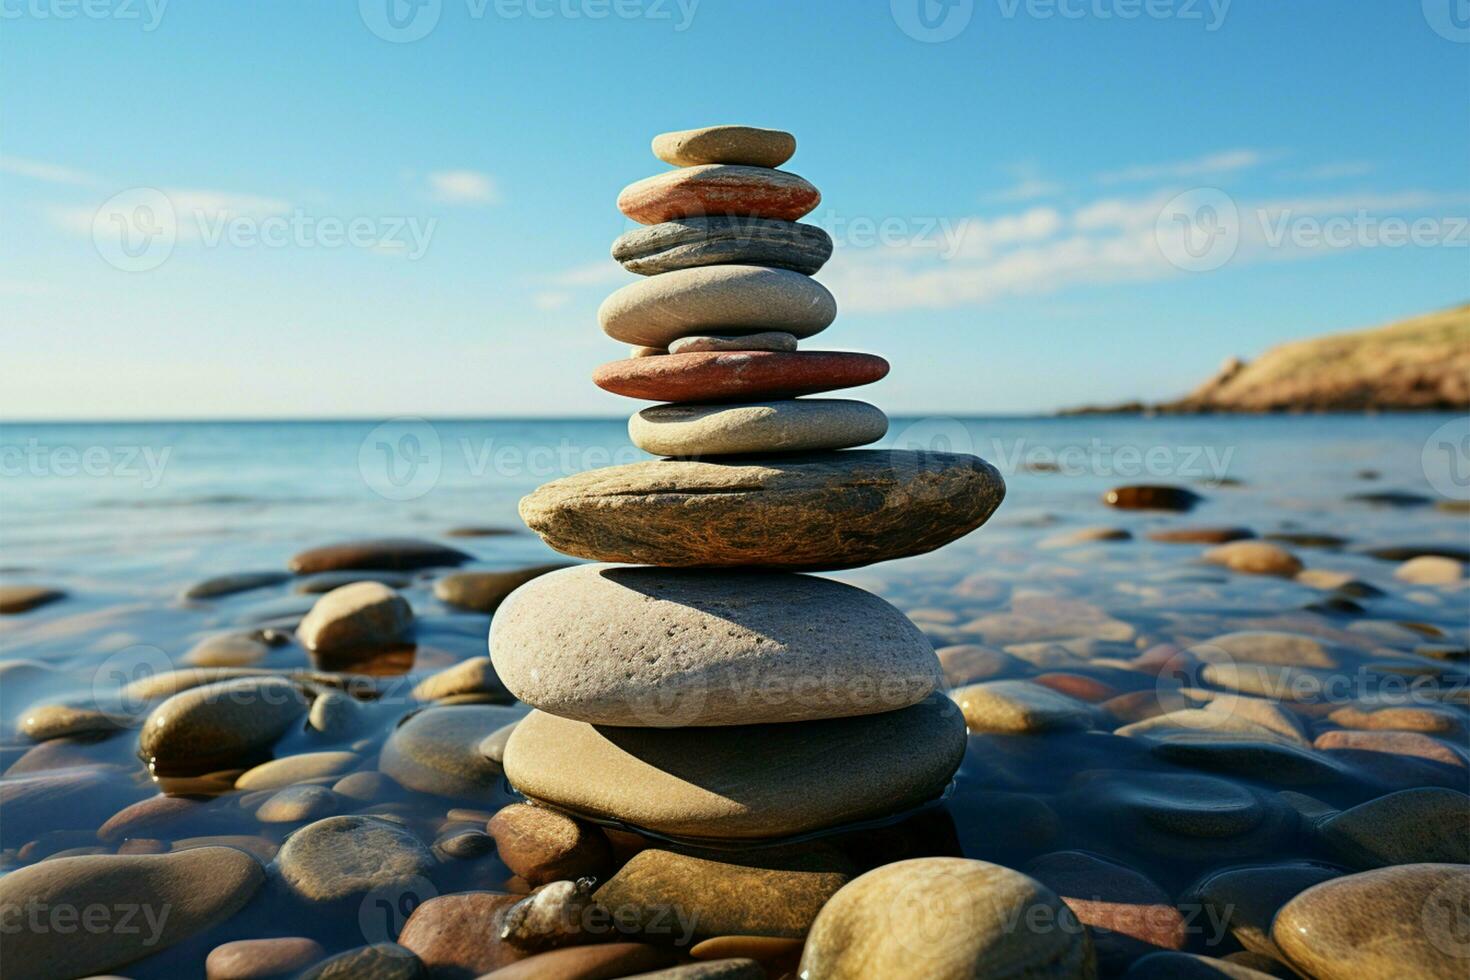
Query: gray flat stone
[687, 243]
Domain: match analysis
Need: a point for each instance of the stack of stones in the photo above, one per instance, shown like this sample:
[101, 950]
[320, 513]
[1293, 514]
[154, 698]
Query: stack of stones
[693, 683]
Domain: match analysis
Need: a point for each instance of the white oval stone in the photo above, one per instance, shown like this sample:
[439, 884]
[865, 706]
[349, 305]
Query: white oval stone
[792, 425]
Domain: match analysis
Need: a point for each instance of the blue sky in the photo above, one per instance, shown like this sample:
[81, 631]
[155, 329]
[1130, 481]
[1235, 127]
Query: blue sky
[372, 226]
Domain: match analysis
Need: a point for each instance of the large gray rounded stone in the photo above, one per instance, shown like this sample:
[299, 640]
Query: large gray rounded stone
[437, 750]
[687, 243]
[716, 299]
[790, 425]
[742, 781]
[648, 647]
[818, 510]
[341, 857]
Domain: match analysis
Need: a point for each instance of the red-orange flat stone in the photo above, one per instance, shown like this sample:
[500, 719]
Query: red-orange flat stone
[712, 376]
[716, 189]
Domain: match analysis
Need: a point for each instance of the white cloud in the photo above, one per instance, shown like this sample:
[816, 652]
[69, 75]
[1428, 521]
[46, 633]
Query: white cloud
[1029, 186]
[195, 214]
[1344, 168]
[464, 187]
[49, 172]
[1214, 164]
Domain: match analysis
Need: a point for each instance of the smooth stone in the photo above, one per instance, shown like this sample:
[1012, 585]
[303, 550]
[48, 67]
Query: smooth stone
[364, 615]
[1018, 707]
[377, 554]
[1245, 900]
[381, 961]
[1415, 744]
[746, 146]
[1402, 921]
[151, 687]
[216, 724]
[745, 376]
[335, 714]
[15, 599]
[72, 798]
[803, 425]
[824, 510]
[1413, 826]
[227, 650]
[485, 591]
[1268, 761]
[186, 894]
[946, 919]
[492, 747]
[779, 957]
[726, 969]
[473, 676]
[655, 311]
[1341, 582]
[688, 243]
[1408, 552]
[543, 846]
[1430, 570]
[639, 351]
[771, 340]
[458, 936]
[340, 858]
[1231, 714]
[1087, 535]
[556, 914]
[280, 773]
[1127, 913]
[463, 845]
[60, 720]
[223, 585]
[1190, 966]
[158, 817]
[656, 648]
[1255, 558]
[257, 959]
[1182, 816]
[1151, 497]
[744, 781]
[718, 189]
[966, 663]
[587, 962]
[437, 750]
[679, 896]
[1428, 719]
[324, 582]
[1262, 680]
[368, 786]
[1201, 535]
[1266, 647]
[296, 804]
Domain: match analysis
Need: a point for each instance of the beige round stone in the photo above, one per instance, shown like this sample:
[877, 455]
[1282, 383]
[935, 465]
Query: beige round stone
[473, 676]
[257, 959]
[641, 351]
[280, 773]
[341, 857]
[743, 781]
[1430, 570]
[771, 340]
[791, 425]
[216, 724]
[946, 919]
[743, 145]
[358, 616]
[1255, 558]
[658, 310]
[436, 750]
[1020, 707]
[649, 647]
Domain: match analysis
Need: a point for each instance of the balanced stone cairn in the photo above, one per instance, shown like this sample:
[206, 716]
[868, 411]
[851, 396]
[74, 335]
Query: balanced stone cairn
[691, 684]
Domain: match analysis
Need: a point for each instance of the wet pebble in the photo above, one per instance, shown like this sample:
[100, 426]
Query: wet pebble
[484, 591]
[223, 585]
[361, 616]
[258, 959]
[227, 650]
[437, 750]
[1128, 914]
[542, 845]
[381, 961]
[1242, 901]
[377, 554]
[1430, 570]
[220, 723]
[16, 599]
[324, 582]
[339, 858]
[1151, 497]
[473, 676]
[1020, 707]
[297, 804]
[459, 935]
[1425, 825]
[1255, 558]
[283, 772]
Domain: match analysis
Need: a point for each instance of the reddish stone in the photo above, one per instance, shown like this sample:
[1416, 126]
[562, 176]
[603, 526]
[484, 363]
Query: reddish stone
[543, 845]
[715, 189]
[1127, 914]
[1201, 535]
[1396, 743]
[712, 376]
[458, 936]
[1078, 686]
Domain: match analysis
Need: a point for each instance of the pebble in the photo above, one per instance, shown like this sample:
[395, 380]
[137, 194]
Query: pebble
[1087, 535]
[1245, 900]
[381, 961]
[15, 599]
[773, 780]
[542, 846]
[336, 715]
[1425, 825]
[327, 581]
[639, 351]
[824, 510]
[1128, 915]
[1267, 647]
[1273, 762]
[366, 787]
[361, 616]
[556, 914]
[726, 969]
[1408, 552]
[1413, 744]
[158, 816]
[1255, 558]
[377, 554]
[484, 591]
[257, 959]
[778, 957]
[60, 720]
[341, 858]
[1151, 497]
[946, 919]
[296, 804]
[719, 376]
[1403, 921]
[588, 963]
[223, 585]
[458, 936]
[1016, 707]
[718, 189]
[743, 145]
[678, 897]
[436, 750]
[463, 845]
[173, 897]
[655, 311]
[473, 676]
[227, 650]
[1201, 535]
[687, 243]
[966, 663]
[279, 773]
[1430, 570]
[492, 747]
[218, 724]
[1429, 719]
[659, 648]
[803, 425]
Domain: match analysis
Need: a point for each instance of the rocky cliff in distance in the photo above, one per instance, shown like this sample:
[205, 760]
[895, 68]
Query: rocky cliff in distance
[1419, 364]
